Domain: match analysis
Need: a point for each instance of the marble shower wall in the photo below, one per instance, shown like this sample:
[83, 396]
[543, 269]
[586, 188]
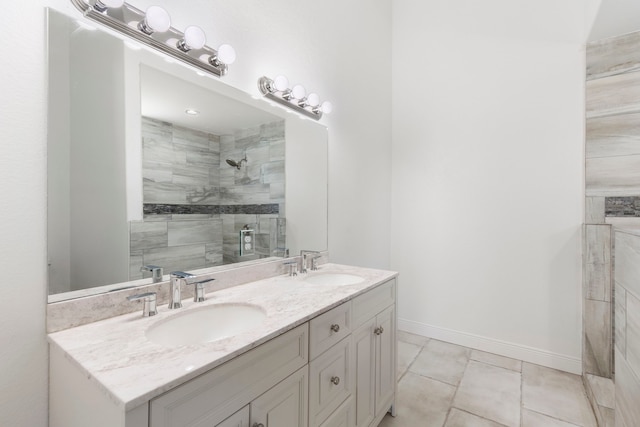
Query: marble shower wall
[612, 183]
[627, 329]
[195, 203]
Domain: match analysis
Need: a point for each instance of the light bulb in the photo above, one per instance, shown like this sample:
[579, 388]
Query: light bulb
[156, 19]
[281, 83]
[102, 5]
[226, 54]
[326, 107]
[194, 38]
[313, 99]
[298, 92]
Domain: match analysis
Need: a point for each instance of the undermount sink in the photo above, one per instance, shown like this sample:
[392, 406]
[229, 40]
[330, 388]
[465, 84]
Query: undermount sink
[334, 279]
[206, 324]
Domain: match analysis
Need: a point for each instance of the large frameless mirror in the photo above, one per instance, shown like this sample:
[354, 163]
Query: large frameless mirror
[153, 163]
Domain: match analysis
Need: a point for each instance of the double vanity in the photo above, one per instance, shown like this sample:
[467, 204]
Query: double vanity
[316, 349]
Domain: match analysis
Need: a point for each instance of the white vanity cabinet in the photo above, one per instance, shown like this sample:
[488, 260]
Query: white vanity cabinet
[336, 370]
[374, 342]
[353, 383]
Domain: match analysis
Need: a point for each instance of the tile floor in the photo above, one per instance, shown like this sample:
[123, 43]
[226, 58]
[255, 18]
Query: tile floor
[446, 385]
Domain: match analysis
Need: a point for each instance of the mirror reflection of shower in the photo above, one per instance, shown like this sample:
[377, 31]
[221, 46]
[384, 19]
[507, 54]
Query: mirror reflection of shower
[237, 164]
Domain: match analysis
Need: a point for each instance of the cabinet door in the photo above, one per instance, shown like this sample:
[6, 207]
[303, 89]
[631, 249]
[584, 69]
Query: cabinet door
[331, 381]
[239, 419]
[364, 347]
[385, 359]
[344, 416]
[283, 405]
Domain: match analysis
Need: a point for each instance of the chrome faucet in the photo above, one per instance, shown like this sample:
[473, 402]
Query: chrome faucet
[303, 260]
[178, 278]
[292, 266]
[156, 272]
[198, 292]
[149, 300]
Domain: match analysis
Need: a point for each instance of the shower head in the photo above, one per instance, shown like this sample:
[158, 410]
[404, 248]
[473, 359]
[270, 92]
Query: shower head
[233, 163]
[237, 164]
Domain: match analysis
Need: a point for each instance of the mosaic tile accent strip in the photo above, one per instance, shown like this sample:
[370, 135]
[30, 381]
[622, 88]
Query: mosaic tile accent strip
[622, 206]
[162, 209]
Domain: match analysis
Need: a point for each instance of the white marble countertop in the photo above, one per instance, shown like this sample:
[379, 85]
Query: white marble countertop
[116, 355]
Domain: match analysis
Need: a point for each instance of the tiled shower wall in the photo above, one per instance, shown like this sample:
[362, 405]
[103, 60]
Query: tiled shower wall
[612, 184]
[627, 330]
[195, 203]
[612, 170]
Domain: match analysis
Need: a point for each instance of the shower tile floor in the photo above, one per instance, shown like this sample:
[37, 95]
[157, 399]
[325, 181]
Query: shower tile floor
[446, 385]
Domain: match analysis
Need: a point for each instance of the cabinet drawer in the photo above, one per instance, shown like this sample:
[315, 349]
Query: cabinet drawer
[331, 381]
[210, 398]
[373, 302]
[329, 328]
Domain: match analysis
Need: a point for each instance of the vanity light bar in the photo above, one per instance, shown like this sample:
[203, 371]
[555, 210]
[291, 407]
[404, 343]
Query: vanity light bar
[295, 98]
[153, 28]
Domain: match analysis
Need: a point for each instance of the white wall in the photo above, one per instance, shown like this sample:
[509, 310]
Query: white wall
[487, 175]
[610, 18]
[313, 42]
[23, 357]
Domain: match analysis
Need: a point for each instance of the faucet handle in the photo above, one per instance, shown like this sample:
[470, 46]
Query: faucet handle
[293, 267]
[181, 275]
[149, 307]
[198, 295]
[303, 259]
[314, 262]
[156, 272]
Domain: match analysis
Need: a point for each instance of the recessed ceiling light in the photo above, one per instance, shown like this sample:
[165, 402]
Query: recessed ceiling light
[191, 112]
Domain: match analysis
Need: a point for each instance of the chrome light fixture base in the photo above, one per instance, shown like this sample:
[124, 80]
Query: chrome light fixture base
[128, 20]
[268, 89]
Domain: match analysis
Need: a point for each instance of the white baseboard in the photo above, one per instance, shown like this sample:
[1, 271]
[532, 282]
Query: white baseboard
[490, 345]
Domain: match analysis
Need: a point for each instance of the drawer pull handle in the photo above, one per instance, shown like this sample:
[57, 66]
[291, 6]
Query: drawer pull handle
[335, 380]
[379, 330]
[335, 327]
[258, 425]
